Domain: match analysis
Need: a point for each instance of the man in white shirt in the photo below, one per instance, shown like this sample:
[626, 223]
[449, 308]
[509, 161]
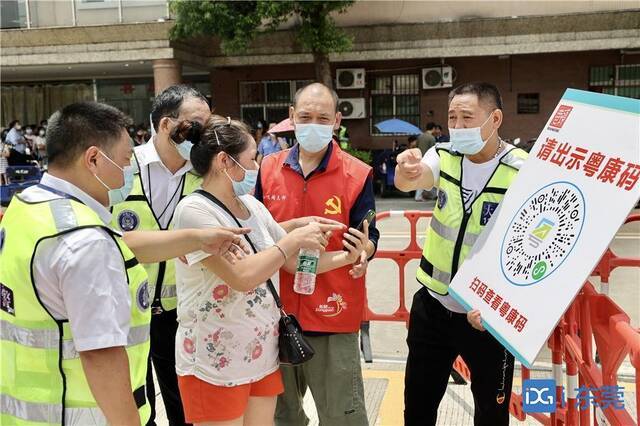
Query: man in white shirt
[15, 138]
[80, 276]
[74, 307]
[165, 177]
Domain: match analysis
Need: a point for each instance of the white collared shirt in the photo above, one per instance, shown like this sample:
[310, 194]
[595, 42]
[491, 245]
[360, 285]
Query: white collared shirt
[80, 276]
[165, 186]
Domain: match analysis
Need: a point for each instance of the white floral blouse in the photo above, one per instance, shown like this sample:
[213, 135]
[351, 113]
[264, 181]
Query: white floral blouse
[225, 337]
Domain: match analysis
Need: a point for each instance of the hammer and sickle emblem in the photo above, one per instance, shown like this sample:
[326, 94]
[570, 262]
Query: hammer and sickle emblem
[334, 205]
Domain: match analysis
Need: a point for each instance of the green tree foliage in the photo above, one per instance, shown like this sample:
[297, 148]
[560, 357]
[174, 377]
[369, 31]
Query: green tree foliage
[238, 23]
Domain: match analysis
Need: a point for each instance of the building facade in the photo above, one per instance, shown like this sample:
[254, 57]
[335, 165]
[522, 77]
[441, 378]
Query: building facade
[405, 58]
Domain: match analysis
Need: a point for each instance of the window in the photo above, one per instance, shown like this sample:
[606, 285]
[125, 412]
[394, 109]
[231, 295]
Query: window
[396, 96]
[267, 100]
[619, 80]
[528, 103]
[14, 14]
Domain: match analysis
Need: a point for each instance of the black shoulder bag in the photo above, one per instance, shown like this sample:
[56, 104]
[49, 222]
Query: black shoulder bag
[294, 349]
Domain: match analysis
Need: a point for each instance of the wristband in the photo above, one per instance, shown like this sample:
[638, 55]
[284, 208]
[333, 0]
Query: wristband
[281, 251]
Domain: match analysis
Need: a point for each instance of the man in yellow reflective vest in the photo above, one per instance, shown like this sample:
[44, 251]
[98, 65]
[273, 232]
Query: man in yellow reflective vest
[74, 303]
[472, 174]
[165, 176]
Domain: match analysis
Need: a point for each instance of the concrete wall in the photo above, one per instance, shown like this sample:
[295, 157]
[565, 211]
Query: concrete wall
[412, 11]
[546, 74]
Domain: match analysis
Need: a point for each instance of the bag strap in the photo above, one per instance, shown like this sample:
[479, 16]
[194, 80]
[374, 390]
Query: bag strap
[219, 203]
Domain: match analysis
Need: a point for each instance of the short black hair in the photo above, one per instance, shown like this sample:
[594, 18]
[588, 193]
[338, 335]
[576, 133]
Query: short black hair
[169, 101]
[439, 127]
[486, 92]
[78, 126]
[412, 138]
[333, 93]
[431, 125]
[13, 123]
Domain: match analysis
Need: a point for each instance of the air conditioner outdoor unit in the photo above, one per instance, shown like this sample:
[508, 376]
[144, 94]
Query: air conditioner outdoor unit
[350, 78]
[437, 77]
[352, 108]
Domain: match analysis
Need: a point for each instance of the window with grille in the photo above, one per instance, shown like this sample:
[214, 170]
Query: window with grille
[619, 80]
[395, 96]
[528, 103]
[267, 100]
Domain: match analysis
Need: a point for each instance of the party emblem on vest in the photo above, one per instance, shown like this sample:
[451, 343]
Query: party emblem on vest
[442, 199]
[487, 211]
[334, 306]
[143, 296]
[128, 220]
[334, 205]
[542, 233]
[1, 239]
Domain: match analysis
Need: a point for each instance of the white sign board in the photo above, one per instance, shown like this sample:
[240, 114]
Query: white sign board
[558, 217]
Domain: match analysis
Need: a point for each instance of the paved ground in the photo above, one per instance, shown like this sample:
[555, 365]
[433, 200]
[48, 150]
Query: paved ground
[384, 378]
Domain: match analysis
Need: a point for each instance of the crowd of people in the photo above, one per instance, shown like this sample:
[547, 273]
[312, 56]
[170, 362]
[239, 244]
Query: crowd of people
[162, 257]
[22, 146]
[27, 145]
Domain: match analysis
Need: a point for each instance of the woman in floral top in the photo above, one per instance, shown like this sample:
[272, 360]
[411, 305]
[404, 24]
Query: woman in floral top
[227, 340]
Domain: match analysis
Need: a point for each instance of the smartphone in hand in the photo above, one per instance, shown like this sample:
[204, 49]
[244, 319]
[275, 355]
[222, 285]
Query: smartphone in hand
[371, 214]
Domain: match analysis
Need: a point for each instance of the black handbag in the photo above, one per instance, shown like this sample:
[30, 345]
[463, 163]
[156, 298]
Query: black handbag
[293, 348]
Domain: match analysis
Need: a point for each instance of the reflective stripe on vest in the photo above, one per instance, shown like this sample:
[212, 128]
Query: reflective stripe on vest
[52, 413]
[137, 210]
[45, 339]
[41, 375]
[453, 231]
[31, 411]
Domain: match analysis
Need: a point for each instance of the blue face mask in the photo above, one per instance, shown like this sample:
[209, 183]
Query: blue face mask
[118, 195]
[184, 149]
[246, 185]
[313, 137]
[468, 141]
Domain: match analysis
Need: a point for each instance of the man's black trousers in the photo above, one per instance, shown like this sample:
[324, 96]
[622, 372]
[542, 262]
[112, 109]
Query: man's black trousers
[163, 349]
[436, 337]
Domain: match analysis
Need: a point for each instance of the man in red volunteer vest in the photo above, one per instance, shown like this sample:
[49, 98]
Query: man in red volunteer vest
[316, 178]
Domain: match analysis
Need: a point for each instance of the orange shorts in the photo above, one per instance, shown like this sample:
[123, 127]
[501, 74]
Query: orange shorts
[204, 402]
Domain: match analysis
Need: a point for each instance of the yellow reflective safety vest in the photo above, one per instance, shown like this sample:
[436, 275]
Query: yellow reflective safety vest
[453, 231]
[343, 138]
[41, 376]
[135, 213]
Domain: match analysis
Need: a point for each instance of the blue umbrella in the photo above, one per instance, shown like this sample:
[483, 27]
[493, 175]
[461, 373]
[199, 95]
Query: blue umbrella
[395, 125]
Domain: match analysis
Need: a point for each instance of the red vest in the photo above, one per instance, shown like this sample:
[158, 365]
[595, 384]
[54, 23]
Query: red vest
[337, 303]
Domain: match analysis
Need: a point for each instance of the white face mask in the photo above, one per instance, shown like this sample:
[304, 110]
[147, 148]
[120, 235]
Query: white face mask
[313, 137]
[468, 141]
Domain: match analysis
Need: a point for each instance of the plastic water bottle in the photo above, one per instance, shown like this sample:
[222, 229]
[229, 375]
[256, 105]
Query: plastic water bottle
[305, 279]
